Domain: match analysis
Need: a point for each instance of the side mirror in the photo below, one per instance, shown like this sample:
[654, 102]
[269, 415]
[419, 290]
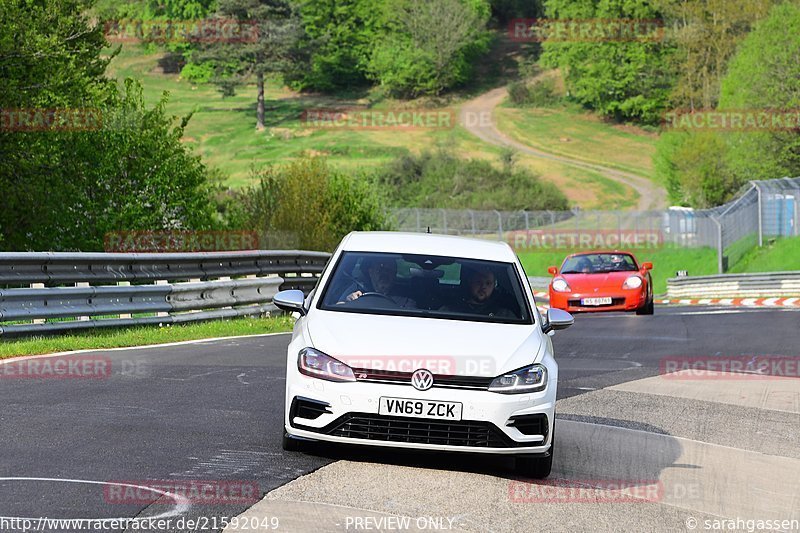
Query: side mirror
[557, 319]
[553, 271]
[647, 266]
[291, 301]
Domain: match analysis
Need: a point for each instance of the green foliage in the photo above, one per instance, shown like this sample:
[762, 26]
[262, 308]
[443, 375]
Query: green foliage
[705, 34]
[122, 167]
[147, 10]
[765, 74]
[706, 168]
[504, 11]
[309, 204]
[539, 94]
[429, 46]
[197, 73]
[625, 80]
[440, 179]
[339, 35]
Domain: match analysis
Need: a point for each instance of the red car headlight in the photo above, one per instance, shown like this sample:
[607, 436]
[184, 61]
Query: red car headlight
[561, 285]
[633, 282]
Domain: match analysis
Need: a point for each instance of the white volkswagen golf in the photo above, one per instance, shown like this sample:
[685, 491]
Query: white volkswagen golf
[426, 342]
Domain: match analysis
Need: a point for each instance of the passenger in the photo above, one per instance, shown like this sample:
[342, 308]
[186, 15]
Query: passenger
[584, 266]
[480, 298]
[381, 275]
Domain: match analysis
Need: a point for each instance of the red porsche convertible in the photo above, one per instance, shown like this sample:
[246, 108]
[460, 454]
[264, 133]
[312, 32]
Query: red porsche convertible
[602, 281]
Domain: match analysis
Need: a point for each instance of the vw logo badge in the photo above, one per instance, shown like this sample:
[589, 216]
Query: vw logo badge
[422, 379]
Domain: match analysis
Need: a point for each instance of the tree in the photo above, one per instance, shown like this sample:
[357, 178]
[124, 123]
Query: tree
[270, 31]
[765, 74]
[623, 79]
[126, 168]
[429, 45]
[339, 36]
[705, 34]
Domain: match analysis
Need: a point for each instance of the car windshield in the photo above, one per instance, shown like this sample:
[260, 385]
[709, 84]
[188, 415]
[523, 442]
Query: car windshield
[426, 285]
[598, 264]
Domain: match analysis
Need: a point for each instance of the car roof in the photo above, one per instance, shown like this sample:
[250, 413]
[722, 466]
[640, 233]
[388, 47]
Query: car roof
[428, 244]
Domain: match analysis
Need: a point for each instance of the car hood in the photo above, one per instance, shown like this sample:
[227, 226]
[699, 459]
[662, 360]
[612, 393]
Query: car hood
[453, 347]
[610, 280]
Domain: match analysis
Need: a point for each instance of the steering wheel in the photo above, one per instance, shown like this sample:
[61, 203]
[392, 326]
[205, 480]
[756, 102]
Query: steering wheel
[375, 294]
[361, 302]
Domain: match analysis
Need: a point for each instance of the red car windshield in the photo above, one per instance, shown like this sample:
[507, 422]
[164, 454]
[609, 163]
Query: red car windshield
[599, 264]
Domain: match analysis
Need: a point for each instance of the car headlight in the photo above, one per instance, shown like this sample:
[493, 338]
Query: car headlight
[529, 379]
[633, 282]
[316, 364]
[560, 285]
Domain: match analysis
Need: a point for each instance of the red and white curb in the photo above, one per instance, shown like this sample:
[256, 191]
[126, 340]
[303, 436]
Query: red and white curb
[736, 302]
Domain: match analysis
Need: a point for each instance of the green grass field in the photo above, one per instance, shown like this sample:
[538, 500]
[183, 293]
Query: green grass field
[144, 335]
[569, 131]
[779, 255]
[222, 131]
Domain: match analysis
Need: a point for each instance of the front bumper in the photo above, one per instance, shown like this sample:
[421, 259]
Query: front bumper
[627, 300]
[516, 424]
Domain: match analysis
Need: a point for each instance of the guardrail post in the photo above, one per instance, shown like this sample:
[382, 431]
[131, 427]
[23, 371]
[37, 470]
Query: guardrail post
[124, 284]
[162, 282]
[82, 284]
[38, 286]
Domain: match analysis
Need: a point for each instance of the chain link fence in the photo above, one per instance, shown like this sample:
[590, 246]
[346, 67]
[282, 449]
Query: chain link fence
[769, 208]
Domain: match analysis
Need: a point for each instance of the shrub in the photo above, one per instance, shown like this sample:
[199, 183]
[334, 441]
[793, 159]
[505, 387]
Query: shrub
[441, 180]
[308, 205]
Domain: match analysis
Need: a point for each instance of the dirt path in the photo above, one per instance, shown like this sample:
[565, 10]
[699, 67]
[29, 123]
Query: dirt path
[477, 117]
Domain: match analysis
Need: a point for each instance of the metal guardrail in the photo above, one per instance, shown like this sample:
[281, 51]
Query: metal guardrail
[765, 285]
[162, 288]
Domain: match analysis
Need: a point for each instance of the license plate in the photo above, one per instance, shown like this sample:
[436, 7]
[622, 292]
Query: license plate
[420, 408]
[595, 301]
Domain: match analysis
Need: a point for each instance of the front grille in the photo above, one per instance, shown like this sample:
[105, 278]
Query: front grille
[442, 381]
[420, 431]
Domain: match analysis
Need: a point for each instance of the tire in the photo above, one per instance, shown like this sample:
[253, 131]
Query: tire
[290, 444]
[647, 309]
[537, 467]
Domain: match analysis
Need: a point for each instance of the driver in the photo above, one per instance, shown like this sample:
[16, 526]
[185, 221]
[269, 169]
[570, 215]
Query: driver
[618, 262]
[381, 275]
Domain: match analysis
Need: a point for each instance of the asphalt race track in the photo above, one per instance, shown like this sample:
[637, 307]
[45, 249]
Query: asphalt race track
[688, 451]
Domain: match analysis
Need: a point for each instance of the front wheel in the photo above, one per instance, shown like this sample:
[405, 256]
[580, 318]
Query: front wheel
[537, 467]
[646, 309]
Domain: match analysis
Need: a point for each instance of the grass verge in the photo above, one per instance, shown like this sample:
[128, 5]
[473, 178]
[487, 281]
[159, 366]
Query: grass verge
[143, 335]
[778, 255]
